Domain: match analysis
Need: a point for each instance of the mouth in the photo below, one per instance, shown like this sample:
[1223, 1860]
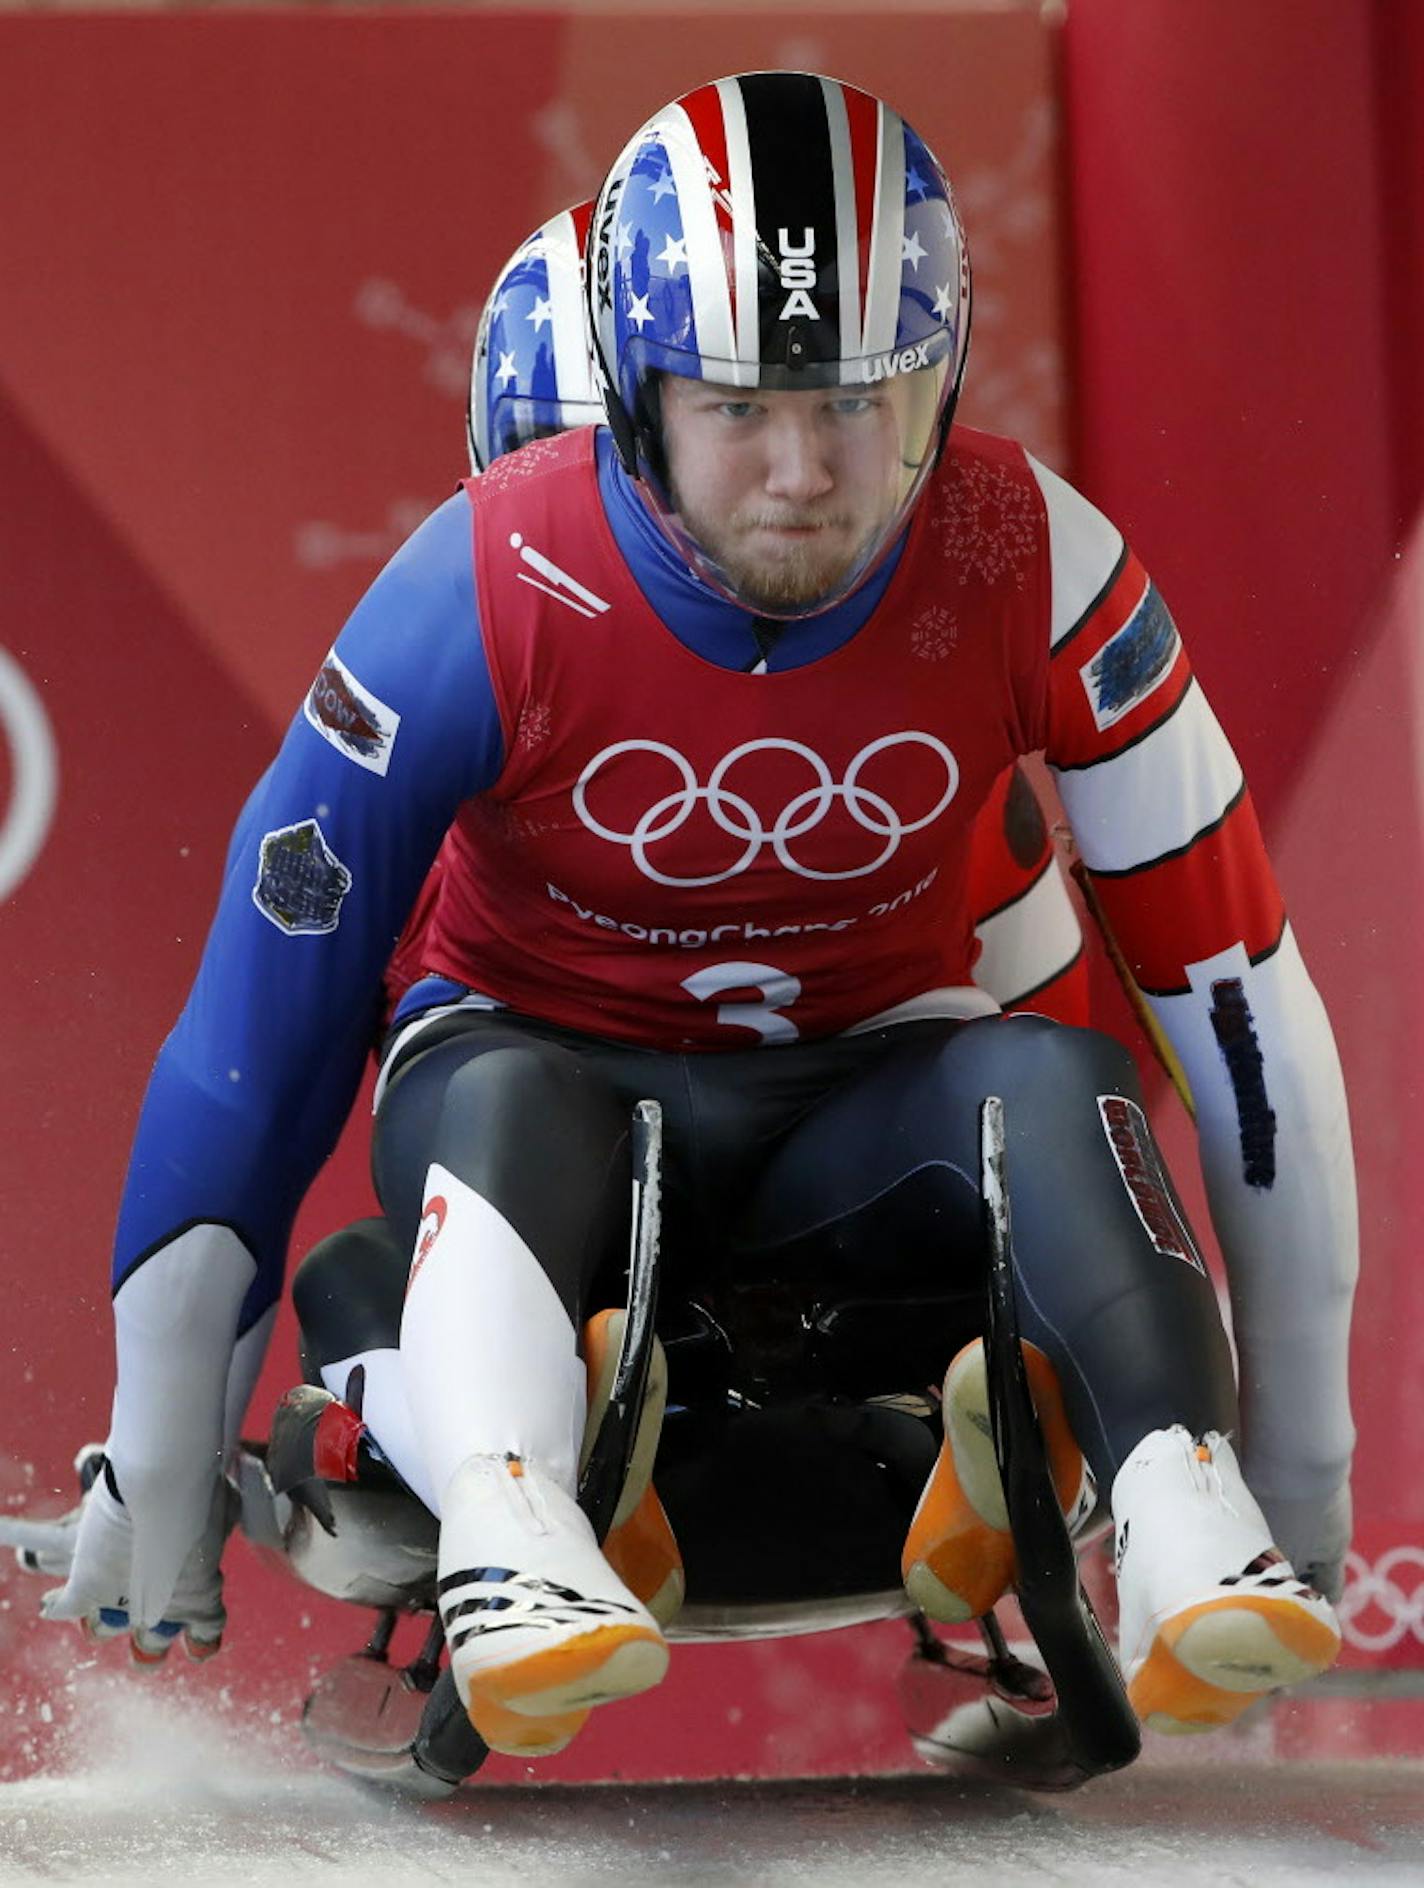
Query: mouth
[795, 529]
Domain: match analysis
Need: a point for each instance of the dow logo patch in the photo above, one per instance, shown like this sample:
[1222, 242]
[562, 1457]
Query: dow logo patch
[357, 723]
[300, 881]
[1140, 1165]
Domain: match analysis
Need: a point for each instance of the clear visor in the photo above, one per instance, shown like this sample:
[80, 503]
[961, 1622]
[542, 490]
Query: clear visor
[515, 421]
[785, 490]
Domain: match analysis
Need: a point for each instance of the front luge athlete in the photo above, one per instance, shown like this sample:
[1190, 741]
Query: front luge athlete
[698, 713]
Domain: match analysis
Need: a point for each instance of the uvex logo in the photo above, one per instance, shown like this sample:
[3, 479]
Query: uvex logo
[797, 267]
[603, 267]
[885, 366]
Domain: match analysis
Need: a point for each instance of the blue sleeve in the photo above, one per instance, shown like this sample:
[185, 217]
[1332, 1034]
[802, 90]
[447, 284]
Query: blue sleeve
[250, 1091]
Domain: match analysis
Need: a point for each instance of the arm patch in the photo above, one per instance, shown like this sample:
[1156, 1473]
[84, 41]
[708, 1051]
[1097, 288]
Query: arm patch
[1132, 663]
[300, 880]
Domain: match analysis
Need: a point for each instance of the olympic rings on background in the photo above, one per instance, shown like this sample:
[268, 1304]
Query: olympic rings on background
[34, 774]
[1374, 1588]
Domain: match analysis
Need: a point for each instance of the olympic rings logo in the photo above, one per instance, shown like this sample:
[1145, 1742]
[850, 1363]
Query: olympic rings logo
[737, 817]
[1376, 1589]
[34, 770]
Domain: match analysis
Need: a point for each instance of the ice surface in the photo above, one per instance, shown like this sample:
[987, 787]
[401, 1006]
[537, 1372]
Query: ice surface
[147, 1789]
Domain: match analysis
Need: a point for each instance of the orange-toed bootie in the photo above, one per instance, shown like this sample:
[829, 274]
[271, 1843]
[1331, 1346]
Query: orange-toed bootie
[532, 1655]
[1211, 1614]
[959, 1553]
[640, 1546]
[540, 1628]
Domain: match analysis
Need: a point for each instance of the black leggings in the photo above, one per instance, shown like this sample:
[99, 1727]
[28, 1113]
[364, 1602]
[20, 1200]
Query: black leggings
[853, 1161]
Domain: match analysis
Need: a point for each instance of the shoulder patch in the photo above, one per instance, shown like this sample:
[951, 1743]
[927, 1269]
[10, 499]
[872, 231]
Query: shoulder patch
[300, 880]
[1133, 662]
[357, 723]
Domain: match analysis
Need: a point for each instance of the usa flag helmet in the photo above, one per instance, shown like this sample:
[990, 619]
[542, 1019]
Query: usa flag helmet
[531, 374]
[784, 231]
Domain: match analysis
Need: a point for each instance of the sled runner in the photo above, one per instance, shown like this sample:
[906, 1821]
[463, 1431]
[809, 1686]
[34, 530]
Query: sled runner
[999, 1716]
[787, 1383]
[993, 1715]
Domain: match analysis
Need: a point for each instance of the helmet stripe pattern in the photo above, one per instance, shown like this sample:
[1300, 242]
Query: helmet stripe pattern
[705, 114]
[863, 123]
[848, 246]
[687, 212]
[784, 201]
[571, 363]
[887, 233]
[789, 140]
[741, 192]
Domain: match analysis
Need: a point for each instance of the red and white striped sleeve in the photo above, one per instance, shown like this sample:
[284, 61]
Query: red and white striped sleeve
[1031, 953]
[1165, 825]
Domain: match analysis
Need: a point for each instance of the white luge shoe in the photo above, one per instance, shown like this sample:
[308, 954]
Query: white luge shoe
[539, 1626]
[1212, 1616]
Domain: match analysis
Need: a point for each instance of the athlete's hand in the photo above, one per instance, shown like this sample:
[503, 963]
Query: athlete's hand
[1314, 1536]
[97, 1591]
[48, 1546]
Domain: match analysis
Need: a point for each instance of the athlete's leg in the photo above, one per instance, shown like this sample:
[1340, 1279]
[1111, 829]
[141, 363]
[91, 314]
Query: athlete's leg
[501, 1159]
[347, 1293]
[521, 1153]
[881, 1178]
[1119, 1303]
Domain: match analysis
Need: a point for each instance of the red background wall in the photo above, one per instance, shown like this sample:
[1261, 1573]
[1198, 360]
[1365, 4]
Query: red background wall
[242, 260]
[1248, 247]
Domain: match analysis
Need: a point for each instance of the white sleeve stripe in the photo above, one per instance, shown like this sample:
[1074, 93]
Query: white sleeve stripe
[1158, 796]
[1059, 970]
[1177, 852]
[1029, 942]
[1059, 642]
[1085, 552]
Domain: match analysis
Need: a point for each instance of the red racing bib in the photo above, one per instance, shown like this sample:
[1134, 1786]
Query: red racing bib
[683, 856]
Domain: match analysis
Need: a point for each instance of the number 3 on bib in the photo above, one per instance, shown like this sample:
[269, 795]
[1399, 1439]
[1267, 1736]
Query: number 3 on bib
[778, 990]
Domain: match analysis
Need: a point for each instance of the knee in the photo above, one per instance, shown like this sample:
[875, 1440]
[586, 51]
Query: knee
[1033, 1056]
[347, 1291]
[523, 1104]
[533, 1087]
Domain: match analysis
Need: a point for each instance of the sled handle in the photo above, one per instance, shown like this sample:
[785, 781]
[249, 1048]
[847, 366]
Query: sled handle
[1098, 1722]
[603, 1477]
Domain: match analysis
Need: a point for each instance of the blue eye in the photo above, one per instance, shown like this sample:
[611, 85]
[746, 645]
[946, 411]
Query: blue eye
[737, 409]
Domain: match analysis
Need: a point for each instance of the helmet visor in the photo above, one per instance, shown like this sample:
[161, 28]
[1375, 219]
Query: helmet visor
[515, 420]
[785, 488]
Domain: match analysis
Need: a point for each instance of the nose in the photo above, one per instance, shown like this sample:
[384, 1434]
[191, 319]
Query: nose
[798, 465]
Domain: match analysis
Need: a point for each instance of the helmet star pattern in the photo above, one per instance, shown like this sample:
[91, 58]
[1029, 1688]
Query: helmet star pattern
[531, 375]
